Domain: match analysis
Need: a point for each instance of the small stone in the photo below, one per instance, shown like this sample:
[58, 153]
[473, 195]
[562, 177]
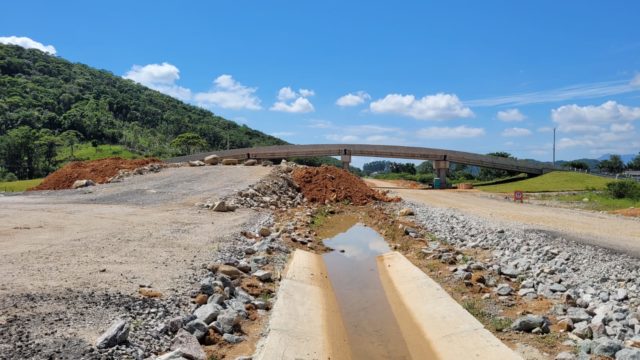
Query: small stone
[621, 294]
[263, 275]
[250, 162]
[509, 271]
[406, 212]
[116, 334]
[188, 346]
[196, 163]
[565, 325]
[198, 328]
[201, 299]
[558, 288]
[504, 290]
[232, 339]
[565, 355]
[220, 206]
[578, 314]
[226, 321]
[264, 232]
[582, 330]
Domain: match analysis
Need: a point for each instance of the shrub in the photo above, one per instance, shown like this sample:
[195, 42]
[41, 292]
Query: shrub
[624, 189]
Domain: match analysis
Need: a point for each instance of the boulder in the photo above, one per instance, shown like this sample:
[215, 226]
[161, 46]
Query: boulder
[188, 346]
[628, 354]
[116, 334]
[529, 322]
[196, 163]
[264, 232]
[509, 271]
[82, 183]
[227, 320]
[577, 314]
[229, 161]
[231, 271]
[250, 162]
[197, 328]
[207, 313]
[582, 330]
[605, 347]
[212, 160]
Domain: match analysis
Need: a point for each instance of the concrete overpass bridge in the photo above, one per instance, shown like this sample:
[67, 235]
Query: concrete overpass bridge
[441, 158]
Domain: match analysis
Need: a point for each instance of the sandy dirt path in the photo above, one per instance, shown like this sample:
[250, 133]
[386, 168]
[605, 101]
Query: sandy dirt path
[609, 231]
[117, 236]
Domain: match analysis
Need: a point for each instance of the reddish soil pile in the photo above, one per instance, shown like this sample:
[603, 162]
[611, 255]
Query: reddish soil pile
[328, 183]
[635, 212]
[100, 171]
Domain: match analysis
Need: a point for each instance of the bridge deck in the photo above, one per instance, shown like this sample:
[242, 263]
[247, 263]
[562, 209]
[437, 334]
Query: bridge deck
[383, 151]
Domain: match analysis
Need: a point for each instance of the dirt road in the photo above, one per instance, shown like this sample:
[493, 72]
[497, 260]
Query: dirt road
[609, 231]
[56, 246]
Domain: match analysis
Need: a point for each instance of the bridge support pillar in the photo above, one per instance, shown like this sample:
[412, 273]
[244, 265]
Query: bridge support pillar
[346, 160]
[442, 169]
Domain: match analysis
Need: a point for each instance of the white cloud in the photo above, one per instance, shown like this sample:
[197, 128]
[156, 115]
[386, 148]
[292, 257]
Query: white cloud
[353, 99]
[591, 119]
[431, 107]
[635, 81]
[300, 105]
[516, 132]
[160, 77]
[580, 91]
[458, 132]
[228, 93]
[544, 129]
[27, 43]
[510, 115]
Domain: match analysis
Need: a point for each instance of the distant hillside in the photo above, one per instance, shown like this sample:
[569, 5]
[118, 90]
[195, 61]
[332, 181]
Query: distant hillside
[41, 91]
[626, 158]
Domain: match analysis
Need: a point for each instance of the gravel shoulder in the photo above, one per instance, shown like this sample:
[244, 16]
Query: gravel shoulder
[84, 253]
[608, 231]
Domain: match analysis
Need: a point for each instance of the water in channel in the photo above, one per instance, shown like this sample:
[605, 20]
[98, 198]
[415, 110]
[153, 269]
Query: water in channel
[371, 326]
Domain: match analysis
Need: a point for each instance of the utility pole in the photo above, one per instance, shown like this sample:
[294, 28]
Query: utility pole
[554, 147]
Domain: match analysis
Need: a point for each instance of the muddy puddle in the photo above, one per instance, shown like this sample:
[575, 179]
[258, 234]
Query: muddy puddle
[372, 329]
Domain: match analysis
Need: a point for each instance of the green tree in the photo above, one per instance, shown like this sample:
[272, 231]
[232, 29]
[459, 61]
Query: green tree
[425, 167]
[71, 138]
[48, 144]
[576, 164]
[20, 153]
[614, 165]
[635, 163]
[188, 143]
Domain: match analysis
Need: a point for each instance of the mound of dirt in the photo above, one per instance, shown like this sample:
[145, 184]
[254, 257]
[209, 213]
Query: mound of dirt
[330, 184]
[100, 171]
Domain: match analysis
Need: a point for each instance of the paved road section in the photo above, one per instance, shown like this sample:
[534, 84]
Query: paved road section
[605, 230]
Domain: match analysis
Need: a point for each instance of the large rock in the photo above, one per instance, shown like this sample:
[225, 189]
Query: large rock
[207, 312]
[509, 271]
[628, 354]
[250, 162]
[188, 346]
[577, 314]
[605, 347]
[198, 328]
[229, 162]
[212, 160]
[263, 275]
[231, 271]
[582, 330]
[504, 290]
[220, 206]
[405, 212]
[528, 322]
[196, 163]
[82, 183]
[227, 320]
[116, 334]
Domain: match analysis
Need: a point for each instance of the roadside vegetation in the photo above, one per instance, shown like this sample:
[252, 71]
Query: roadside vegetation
[19, 185]
[552, 182]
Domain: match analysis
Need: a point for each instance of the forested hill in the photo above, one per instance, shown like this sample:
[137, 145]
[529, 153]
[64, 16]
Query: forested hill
[51, 96]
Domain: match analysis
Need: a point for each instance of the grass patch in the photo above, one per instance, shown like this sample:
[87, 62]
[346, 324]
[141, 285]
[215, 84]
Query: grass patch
[599, 201]
[554, 181]
[319, 218]
[20, 185]
[87, 152]
[421, 178]
[496, 323]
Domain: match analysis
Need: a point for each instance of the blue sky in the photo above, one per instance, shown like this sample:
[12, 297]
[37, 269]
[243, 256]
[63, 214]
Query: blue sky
[464, 75]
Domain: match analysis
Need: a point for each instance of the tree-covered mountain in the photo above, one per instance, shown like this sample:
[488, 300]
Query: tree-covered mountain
[43, 97]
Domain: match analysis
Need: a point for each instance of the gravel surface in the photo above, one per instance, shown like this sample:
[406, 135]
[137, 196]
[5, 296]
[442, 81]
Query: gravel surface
[596, 290]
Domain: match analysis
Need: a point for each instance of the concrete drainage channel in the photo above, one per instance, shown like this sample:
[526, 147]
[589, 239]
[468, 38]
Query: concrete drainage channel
[363, 301]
